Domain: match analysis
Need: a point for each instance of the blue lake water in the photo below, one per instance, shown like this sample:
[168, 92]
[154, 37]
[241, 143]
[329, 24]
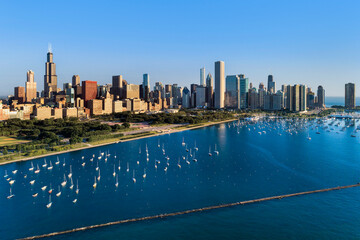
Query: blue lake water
[250, 165]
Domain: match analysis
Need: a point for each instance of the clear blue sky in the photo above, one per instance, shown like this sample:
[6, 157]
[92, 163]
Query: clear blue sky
[309, 42]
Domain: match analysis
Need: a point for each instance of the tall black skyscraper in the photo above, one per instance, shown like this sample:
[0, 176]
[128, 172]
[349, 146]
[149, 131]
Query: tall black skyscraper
[50, 78]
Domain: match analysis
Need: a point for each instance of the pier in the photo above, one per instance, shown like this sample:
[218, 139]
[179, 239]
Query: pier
[166, 215]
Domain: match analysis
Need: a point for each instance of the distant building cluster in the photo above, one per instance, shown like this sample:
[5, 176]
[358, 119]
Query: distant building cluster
[85, 98]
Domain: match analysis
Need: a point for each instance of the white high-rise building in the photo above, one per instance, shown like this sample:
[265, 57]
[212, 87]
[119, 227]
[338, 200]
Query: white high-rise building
[202, 77]
[219, 84]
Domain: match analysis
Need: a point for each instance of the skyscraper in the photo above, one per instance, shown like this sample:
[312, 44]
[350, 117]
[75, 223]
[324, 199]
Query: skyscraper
[202, 77]
[89, 90]
[146, 87]
[209, 91]
[30, 86]
[19, 93]
[50, 77]
[244, 89]
[75, 80]
[321, 96]
[350, 95]
[271, 84]
[302, 98]
[232, 95]
[117, 85]
[219, 84]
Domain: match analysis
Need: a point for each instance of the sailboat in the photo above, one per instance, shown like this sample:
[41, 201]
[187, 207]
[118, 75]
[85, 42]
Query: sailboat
[82, 157]
[70, 174]
[196, 149]
[32, 182]
[210, 151]
[51, 166]
[309, 138]
[83, 164]
[32, 167]
[15, 171]
[75, 200]
[6, 175]
[117, 181]
[114, 173]
[64, 163]
[144, 175]
[35, 195]
[50, 190]
[216, 151]
[71, 184]
[50, 203]
[11, 182]
[98, 178]
[64, 182]
[158, 143]
[127, 167]
[58, 193]
[179, 163]
[45, 164]
[43, 188]
[119, 167]
[37, 170]
[57, 161]
[183, 142]
[97, 166]
[10, 195]
[134, 179]
[95, 184]
[194, 159]
[77, 187]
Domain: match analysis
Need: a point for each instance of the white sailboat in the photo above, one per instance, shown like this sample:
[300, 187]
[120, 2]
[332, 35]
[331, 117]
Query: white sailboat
[10, 194]
[64, 182]
[216, 151]
[64, 163]
[158, 143]
[117, 181]
[195, 148]
[71, 184]
[97, 166]
[194, 159]
[43, 188]
[70, 174]
[144, 175]
[77, 187]
[183, 142]
[114, 173]
[32, 182]
[119, 167]
[32, 167]
[37, 170]
[35, 195]
[58, 193]
[83, 164]
[179, 163]
[15, 171]
[98, 178]
[6, 175]
[45, 164]
[50, 203]
[11, 182]
[210, 154]
[127, 167]
[51, 166]
[134, 179]
[57, 161]
[75, 200]
[95, 184]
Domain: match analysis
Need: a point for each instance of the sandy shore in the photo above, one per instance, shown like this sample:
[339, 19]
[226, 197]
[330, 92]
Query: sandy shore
[116, 141]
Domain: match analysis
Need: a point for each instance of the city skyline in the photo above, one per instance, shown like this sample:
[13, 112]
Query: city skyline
[175, 55]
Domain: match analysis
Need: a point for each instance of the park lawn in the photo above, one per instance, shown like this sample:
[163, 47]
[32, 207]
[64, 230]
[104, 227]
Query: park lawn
[5, 141]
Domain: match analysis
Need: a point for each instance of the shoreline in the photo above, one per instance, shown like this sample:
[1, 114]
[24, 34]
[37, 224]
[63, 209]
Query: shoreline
[117, 141]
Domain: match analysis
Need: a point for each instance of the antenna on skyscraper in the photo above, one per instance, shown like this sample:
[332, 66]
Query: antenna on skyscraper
[49, 48]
